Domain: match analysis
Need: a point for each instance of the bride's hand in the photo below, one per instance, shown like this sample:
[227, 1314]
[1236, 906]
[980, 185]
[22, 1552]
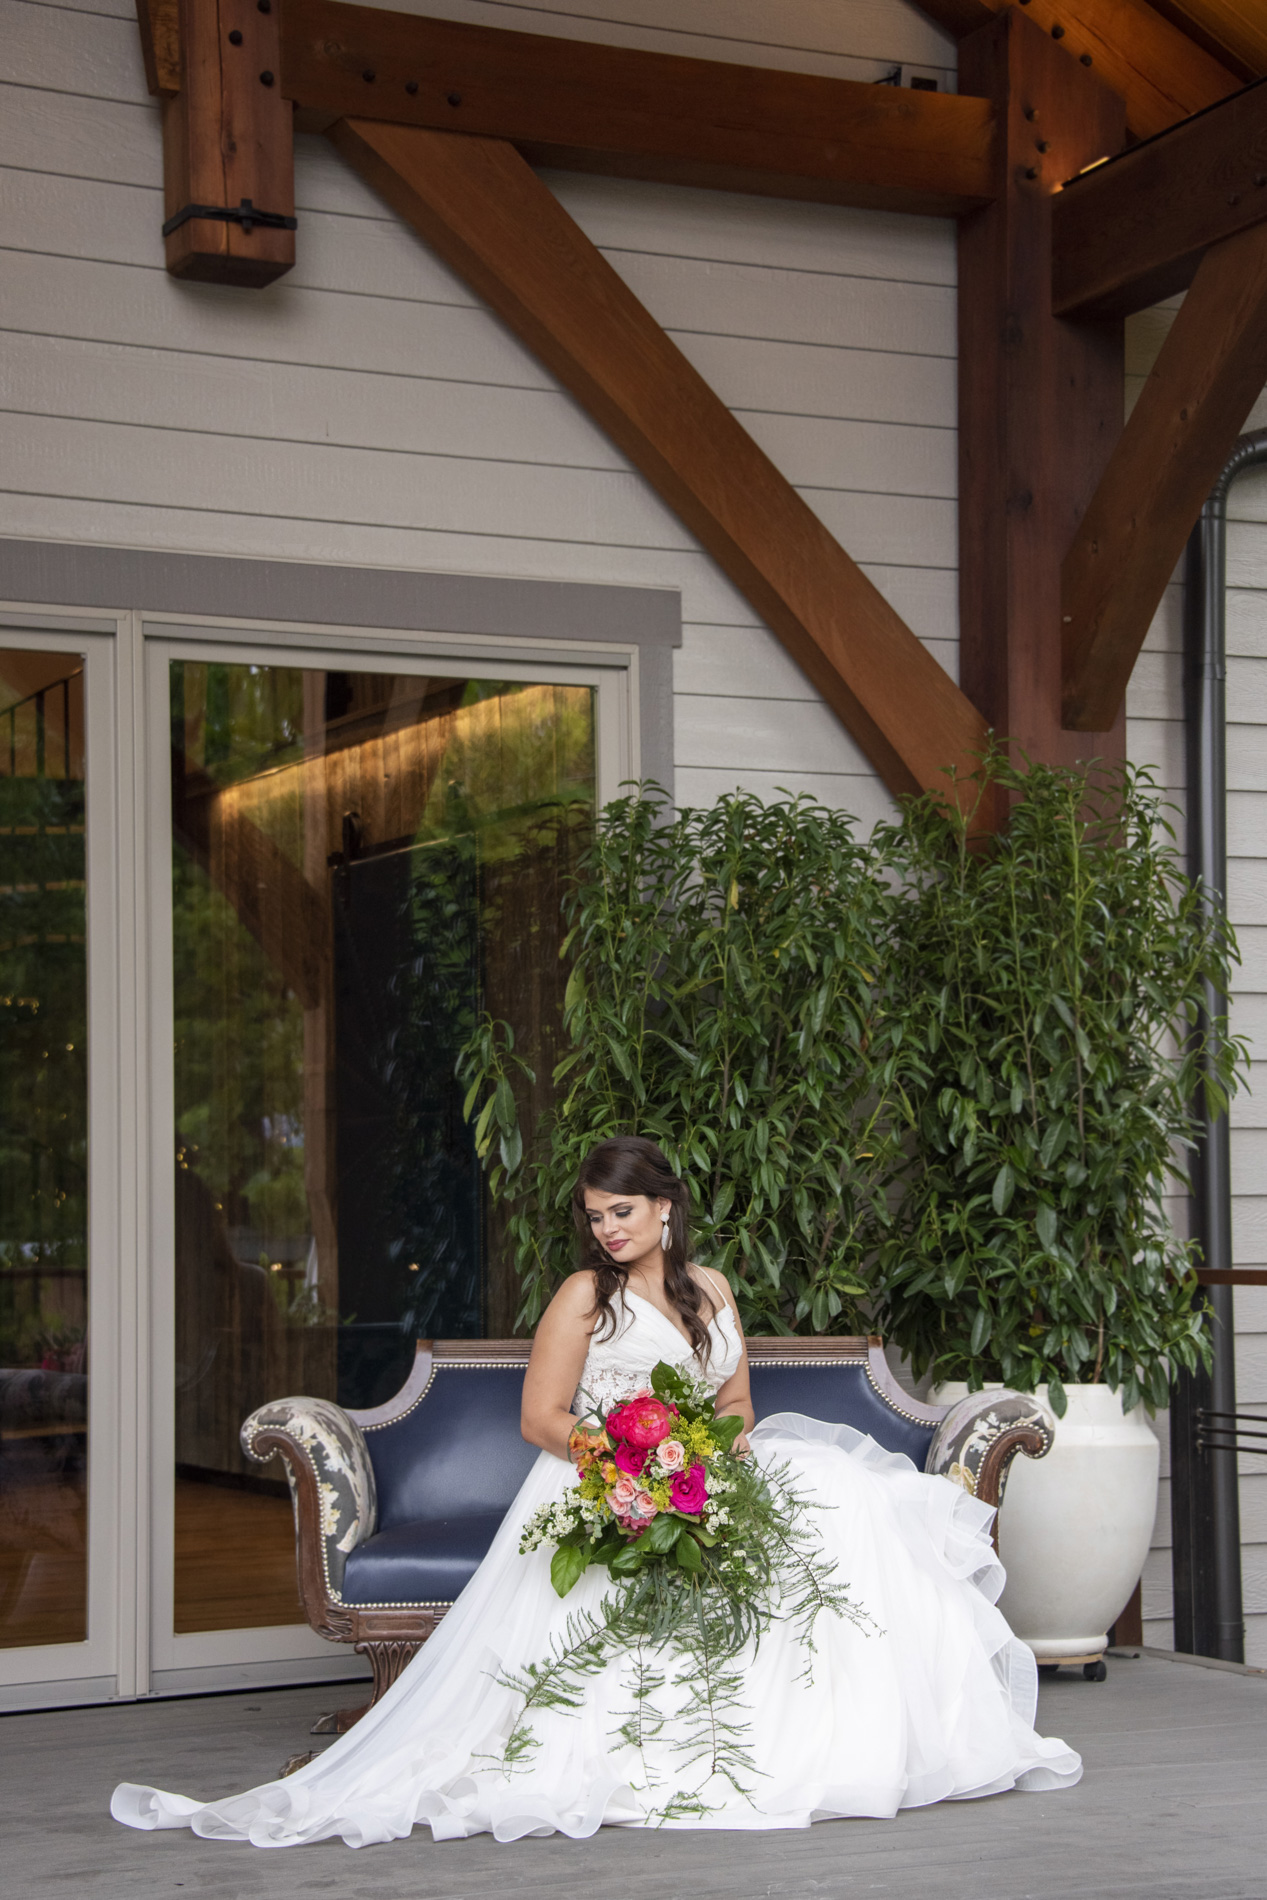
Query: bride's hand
[741, 1447]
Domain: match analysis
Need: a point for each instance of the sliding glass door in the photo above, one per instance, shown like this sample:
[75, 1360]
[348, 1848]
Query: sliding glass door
[356, 859]
[256, 888]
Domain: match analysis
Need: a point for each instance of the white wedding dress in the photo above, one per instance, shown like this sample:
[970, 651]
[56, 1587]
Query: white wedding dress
[932, 1699]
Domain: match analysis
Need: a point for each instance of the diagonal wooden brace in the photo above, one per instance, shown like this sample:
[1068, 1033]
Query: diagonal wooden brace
[1204, 383]
[482, 208]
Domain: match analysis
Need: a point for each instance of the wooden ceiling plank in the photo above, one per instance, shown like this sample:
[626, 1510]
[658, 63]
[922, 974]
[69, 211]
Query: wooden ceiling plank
[481, 207]
[580, 105]
[1133, 232]
[1232, 30]
[1161, 74]
[1207, 376]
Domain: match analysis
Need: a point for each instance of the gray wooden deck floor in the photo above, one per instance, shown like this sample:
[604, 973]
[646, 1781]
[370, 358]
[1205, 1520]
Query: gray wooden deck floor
[1173, 1805]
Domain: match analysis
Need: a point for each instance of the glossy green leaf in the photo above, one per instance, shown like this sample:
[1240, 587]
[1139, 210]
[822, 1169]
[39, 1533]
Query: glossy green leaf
[567, 1566]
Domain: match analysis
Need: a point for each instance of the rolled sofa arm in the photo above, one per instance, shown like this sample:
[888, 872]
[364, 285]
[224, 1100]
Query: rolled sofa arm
[975, 1443]
[332, 1488]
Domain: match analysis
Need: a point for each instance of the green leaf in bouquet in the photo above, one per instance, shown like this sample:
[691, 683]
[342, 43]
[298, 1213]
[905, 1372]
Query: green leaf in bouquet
[726, 1429]
[688, 1552]
[668, 1384]
[568, 1565]
[627, 1561]
[662, 1536]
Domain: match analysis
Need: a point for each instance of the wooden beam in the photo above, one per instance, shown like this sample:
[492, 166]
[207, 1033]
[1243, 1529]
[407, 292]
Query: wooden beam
[228, 141]
[1161, 74]
[1207, 376]
[1235, 31]
[483, 209]
[159, 22]
[582, 106]
[1040, 401]
[1134, 231]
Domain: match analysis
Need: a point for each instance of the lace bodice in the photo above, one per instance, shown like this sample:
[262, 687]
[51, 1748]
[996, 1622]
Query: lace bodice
[620, 1365]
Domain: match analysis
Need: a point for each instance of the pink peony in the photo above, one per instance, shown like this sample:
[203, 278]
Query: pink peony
[627, 1459]
[689, 1492]
[642, 1422]
[644, 1505]
[672, 1455]
[622, 1494]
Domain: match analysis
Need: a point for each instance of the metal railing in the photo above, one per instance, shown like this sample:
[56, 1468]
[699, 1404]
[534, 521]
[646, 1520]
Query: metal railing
[39, 700]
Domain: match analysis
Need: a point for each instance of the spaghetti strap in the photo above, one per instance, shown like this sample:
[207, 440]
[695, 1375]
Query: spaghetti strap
[725, 1288]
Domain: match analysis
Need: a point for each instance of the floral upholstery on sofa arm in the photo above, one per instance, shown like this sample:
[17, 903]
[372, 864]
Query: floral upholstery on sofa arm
[321, 1434]
[975, 1443]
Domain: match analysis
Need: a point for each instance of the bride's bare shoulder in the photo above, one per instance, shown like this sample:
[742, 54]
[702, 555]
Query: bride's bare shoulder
[714, 1286]
[575, 1298]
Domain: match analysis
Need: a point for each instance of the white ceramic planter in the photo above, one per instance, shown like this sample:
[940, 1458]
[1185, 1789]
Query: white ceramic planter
[1075, 1526]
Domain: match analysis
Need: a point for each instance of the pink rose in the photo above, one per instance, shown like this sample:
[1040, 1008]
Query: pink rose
[644, 1505]
[672, 1455]
[642, 1422]
[689, 1492]
[622, 1494]
[627, 1459]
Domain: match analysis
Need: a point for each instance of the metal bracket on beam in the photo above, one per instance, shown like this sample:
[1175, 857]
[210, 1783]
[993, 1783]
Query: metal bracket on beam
[244, 214]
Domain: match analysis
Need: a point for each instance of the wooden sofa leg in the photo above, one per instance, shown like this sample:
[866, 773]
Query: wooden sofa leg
[339, 1721]
[388, 1659]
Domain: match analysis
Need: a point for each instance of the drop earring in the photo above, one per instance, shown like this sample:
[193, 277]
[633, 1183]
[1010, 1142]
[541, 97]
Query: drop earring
[664, 1233]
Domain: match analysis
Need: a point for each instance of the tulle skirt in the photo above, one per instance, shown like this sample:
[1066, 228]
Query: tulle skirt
[930, 1699]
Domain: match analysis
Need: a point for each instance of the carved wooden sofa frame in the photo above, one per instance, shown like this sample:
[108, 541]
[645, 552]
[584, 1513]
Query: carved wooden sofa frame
[395, 1506]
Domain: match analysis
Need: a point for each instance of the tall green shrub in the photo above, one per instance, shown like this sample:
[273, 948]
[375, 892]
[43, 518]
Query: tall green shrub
[1049, 986]
[723, 999]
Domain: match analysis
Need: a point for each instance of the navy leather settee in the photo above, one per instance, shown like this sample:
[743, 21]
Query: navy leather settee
[395, 1507]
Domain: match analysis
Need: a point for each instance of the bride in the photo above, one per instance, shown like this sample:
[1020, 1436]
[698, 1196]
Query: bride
[921, 1695]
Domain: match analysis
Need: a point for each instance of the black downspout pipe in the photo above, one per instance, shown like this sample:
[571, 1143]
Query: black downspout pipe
[1205, 1499]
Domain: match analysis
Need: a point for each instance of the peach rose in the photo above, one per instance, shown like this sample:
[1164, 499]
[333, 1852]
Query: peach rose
[622, 1494]
[671, 1455]
[644, 1505]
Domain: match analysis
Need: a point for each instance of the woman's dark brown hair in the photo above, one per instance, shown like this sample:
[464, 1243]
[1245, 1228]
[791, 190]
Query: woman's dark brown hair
[630, 1164]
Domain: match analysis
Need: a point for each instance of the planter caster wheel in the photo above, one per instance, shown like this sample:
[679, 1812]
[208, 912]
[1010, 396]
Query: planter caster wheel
[1049, 1669]
[1095, 1671]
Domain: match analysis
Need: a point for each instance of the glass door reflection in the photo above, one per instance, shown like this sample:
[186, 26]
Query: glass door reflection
[43, 1152]
[361, 862]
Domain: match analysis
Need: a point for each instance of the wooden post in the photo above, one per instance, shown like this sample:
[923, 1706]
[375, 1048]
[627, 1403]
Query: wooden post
[228, 148]
[1040, 400]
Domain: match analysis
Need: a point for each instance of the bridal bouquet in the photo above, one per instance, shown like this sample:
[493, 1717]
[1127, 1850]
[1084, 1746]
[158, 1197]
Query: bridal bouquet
[655, 1478]
[703, 1550]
